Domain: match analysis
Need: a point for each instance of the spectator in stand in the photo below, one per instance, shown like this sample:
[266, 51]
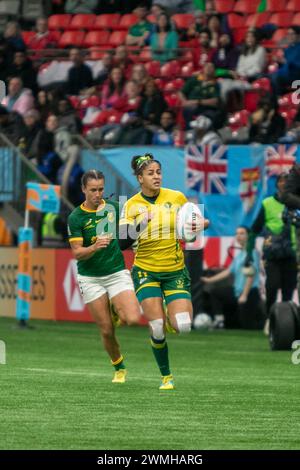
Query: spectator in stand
[12, 40]
[164, 42]
[43, 39]
[252, 60]
[204, 53]
[196, 28]
[122, 60]
[165, 134]
[48, 159]
[267, 125]
[293, 134]
[22, 67]
[19, 99]
[43, 105]
[3, 66]
[201, 95]
[113, 89]
[81, 6]
[225, 57]
[290, 63]
[203, 133]
[29, 141]
[139, 33]
[80, 75]
[214, 26]
[11, 125]
[140, 75]
[152, 105]
[67, 117]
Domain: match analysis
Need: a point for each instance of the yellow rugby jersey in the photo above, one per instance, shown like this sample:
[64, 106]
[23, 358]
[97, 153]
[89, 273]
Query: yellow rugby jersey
[158, 250]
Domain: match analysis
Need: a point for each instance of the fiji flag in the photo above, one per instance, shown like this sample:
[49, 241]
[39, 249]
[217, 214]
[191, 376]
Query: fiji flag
[206, 168]
[240, 177]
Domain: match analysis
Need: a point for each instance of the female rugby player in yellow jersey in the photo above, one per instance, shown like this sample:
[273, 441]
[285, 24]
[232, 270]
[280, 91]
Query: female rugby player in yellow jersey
[159, 271]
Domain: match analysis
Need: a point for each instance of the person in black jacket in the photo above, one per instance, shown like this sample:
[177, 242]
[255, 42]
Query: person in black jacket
[279, 247]
[291, 198]
[80, 74]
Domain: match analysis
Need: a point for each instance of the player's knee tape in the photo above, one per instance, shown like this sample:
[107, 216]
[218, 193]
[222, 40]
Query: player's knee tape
[184, 323]
[157, 327]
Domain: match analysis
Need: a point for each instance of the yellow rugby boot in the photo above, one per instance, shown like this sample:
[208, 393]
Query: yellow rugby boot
[167, 383]
[120, 376]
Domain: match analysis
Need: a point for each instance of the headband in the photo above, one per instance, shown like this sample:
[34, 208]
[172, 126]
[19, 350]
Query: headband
[143, 158]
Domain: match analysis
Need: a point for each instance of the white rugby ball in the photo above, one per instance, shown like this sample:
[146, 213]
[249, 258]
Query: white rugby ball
[188, 222]
[202, 321]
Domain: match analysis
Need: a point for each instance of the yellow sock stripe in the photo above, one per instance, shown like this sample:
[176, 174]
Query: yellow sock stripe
[147, 284]
[118, 361]
[156, 345]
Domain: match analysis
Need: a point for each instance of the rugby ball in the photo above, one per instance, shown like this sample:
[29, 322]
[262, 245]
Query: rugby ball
[202, 321]
[189, 222]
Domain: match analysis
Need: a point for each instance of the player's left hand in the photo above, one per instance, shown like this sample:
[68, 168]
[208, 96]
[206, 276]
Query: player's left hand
[242, 299]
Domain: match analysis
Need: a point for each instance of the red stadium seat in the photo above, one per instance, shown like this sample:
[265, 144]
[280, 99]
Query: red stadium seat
[185, 56]
[27, 36]
[296, 20]
[59, 21]
[71, 39]
[170, 69]
[172, 100]
[282, 19]
[145, 55]
[153, 68]
[187, 70]
[96, 38]
[239, 35]
[293, 5]
[82, 21]
[183, 20]
[257, 19]
[95, 53]
[289, 115]
[235, 21]
[279, 35]
[127, 20]
[287, 101]
[151, 18]
[276, 5]
[173, 85]
[251, 99]
[262, 84]
[224, 6]
[246, 7]
[107, 21]
[239, 119]
[117, 38]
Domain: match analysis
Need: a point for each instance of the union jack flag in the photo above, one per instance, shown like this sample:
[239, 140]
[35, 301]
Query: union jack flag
[280, 159]
[206, 168]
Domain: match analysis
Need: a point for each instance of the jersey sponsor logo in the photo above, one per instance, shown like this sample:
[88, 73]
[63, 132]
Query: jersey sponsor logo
[71, 288]
[180, 283]
[88, 222]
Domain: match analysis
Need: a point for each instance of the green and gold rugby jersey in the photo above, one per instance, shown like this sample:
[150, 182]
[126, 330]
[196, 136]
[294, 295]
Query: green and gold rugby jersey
[85, 224]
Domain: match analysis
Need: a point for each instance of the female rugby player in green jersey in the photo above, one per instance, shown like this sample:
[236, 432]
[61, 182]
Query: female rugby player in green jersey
[159, 272]
[102, 276]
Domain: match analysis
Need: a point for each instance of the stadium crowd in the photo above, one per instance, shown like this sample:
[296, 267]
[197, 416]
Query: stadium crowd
[140, 72]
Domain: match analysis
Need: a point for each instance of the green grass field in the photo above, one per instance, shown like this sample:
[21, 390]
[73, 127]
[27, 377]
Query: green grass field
[232, 392]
